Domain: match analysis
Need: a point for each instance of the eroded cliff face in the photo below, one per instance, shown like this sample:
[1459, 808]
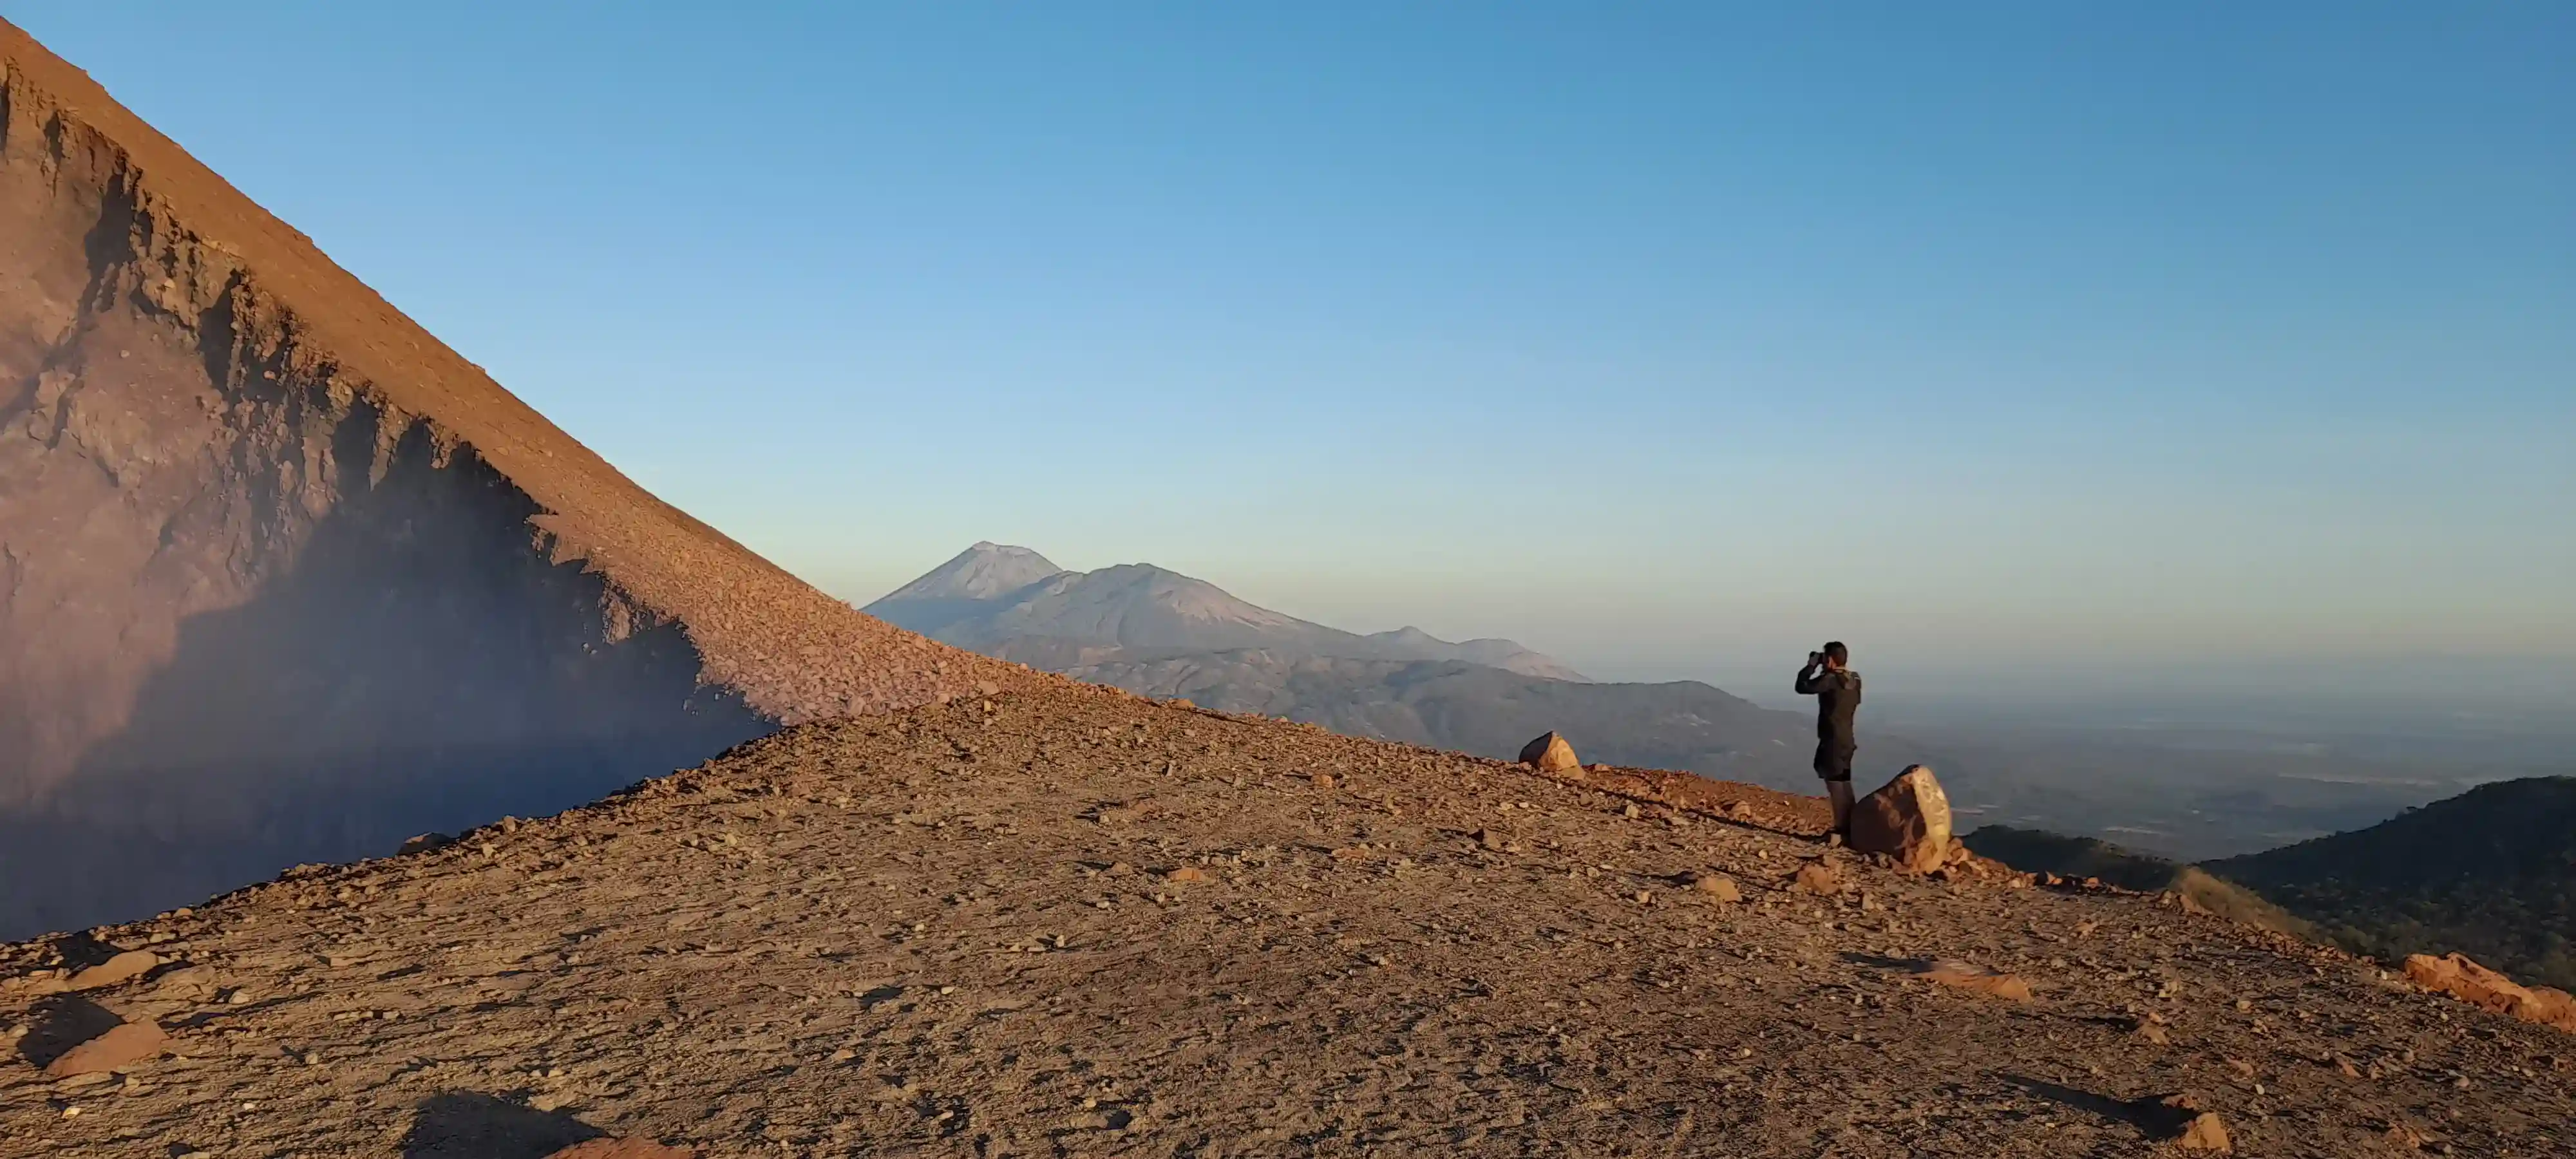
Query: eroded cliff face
[282, 579]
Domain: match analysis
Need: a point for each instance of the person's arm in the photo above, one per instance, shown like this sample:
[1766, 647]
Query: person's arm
[1807, 684]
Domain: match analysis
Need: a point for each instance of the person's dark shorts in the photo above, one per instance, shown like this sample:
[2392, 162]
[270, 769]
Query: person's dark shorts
[1834, 762]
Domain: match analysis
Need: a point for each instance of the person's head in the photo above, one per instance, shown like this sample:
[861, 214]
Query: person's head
[1837, 656]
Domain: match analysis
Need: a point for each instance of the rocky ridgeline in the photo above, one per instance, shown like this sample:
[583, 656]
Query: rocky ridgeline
[1070, 921]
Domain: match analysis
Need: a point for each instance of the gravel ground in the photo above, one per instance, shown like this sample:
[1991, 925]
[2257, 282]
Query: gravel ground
[1071, 922]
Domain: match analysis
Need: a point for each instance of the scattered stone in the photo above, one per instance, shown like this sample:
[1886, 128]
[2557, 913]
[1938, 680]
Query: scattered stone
[622, 1149]
[184, 983]
[2402, 1135]
[124, 1045]
[1818, 878]
[424, 843]
[2147, 1031]
[2461, 978]
[124, 967]
[987, 688]
[1549, 753]
[1975, 979]
[2205, 1132]
[1908, 819]
[1717, 887]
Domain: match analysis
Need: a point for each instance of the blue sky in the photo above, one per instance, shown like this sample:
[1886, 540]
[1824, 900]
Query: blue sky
[1993, 338]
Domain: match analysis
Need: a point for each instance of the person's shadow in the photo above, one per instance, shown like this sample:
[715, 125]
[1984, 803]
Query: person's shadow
[467, 1125]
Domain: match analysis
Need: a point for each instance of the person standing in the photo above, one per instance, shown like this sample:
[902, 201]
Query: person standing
[1828, 677]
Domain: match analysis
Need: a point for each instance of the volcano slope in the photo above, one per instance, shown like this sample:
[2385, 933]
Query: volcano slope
[1070, 922]
[283, 578]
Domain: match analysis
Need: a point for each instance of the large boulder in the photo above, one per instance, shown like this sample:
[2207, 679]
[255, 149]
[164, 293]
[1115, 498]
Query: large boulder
[1550, 754]
[2464, 979]
[124, 967]
[1908, 820]
[125, 1044]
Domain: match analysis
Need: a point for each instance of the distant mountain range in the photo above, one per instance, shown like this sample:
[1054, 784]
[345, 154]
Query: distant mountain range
[1160, 633]
[2490, 873]
[995, 598]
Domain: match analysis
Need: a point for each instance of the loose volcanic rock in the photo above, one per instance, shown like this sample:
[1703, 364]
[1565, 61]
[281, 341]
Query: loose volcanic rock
[1908, 819]
[2206, 1133]
[1975, 979]
[1550, 753]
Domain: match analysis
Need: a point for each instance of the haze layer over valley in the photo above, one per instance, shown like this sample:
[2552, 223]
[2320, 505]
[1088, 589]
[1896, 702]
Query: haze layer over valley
[1171, 636]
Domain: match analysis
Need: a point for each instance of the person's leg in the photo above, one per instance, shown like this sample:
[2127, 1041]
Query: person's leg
[1834, 766]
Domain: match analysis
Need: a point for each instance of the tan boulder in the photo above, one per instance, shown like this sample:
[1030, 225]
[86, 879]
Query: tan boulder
[1975, 979]
[1908, 820]
[124, 1045]
[1549, 753]
[1818, 878]
[124, 967]
[2464, 979]
[1717, 887]
[2206, 1133]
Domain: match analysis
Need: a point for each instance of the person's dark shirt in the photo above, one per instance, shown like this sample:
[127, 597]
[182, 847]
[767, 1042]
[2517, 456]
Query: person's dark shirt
[1837, 696]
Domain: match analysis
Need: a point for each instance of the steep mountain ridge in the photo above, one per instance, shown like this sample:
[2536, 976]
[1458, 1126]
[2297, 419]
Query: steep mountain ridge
[277, 567]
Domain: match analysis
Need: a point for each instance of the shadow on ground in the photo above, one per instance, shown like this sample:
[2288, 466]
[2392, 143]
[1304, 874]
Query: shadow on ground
[467, 1125]
[61, 1023]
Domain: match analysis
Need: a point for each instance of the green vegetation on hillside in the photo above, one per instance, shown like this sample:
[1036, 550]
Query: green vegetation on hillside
[2037, 851]
[2490, 873]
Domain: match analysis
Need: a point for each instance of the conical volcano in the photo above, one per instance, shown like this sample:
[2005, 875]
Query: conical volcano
[284, 578]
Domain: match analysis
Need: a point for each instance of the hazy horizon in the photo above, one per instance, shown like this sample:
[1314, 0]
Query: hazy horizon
[2513, 703]
[2038, 352]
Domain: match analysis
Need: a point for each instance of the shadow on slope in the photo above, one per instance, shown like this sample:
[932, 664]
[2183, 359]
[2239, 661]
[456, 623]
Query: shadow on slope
[467, 1125]
[421, 665]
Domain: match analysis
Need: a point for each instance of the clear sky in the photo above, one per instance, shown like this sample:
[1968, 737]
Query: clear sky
[1993, 338]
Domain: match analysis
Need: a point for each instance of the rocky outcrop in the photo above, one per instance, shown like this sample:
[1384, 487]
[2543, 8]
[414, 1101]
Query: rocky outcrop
[283, 579]
[1550, 753]
[2461, 978]
[121, 1046]
[1908, 820]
